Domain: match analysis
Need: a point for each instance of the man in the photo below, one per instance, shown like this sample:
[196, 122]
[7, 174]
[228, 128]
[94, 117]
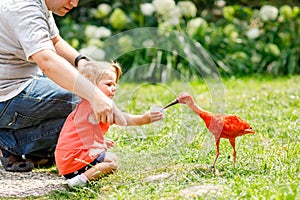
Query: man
[37, 79]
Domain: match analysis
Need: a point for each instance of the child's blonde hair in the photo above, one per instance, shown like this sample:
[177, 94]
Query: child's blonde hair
[94, 70]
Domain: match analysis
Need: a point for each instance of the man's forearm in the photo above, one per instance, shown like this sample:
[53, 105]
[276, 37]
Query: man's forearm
[65, 50]
[61, 72]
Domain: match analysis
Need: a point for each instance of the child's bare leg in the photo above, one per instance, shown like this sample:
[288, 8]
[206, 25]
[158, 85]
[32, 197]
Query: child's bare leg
[109, 164]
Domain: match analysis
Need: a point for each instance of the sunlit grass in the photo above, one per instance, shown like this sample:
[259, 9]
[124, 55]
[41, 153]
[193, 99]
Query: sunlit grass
[180, 145]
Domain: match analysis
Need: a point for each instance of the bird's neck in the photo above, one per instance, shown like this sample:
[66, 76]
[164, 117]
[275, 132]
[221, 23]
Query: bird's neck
[199, 111]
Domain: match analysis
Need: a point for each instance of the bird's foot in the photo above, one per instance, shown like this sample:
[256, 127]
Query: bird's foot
[216, 171]
[212, 168]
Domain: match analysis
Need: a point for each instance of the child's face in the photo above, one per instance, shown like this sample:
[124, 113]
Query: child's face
[107, 83]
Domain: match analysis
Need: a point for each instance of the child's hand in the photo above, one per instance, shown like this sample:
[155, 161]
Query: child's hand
[97, 148]
[109, 143]
[155, 115]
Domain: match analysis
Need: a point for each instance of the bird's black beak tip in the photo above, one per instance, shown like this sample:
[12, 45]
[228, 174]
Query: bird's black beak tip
[171, 104]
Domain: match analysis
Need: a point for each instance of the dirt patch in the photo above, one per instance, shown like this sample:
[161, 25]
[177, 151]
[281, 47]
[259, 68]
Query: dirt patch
[201, 190]
[158, 177]
[24, 184]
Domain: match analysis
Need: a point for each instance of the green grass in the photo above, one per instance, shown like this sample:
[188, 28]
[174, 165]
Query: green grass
[268, 163]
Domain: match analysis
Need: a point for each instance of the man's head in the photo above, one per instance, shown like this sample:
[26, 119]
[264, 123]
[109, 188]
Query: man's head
[61, 7]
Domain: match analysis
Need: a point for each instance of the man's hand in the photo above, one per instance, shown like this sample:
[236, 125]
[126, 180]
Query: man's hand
[102, 106]
[118, 117]
[108, 112]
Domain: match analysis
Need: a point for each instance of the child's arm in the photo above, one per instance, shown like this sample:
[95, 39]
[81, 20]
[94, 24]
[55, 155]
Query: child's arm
[146, 118]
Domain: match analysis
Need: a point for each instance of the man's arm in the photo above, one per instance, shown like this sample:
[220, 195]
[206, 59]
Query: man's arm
[64, 74]
[66, 51]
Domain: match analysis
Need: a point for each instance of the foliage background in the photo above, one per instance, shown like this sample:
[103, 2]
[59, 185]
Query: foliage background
[223, 30]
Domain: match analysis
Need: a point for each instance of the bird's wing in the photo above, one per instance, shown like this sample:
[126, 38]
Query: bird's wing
[234, 126]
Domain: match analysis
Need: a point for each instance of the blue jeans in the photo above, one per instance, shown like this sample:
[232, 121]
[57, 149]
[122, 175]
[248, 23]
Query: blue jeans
[30, 123]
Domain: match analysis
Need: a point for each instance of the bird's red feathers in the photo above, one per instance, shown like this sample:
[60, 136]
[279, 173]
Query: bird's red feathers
[225, 125]
[220, 125]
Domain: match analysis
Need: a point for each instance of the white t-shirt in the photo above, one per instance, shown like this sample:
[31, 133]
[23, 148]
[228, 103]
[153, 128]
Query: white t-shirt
[26, 27]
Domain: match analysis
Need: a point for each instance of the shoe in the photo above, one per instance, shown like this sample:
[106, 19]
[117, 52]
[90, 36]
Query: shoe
[17, 165]
[77, 181]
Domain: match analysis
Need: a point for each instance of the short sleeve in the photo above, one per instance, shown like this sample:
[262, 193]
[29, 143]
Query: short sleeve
[34, 29]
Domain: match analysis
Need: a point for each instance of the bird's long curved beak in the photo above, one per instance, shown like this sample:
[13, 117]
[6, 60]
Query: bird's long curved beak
[171, 103]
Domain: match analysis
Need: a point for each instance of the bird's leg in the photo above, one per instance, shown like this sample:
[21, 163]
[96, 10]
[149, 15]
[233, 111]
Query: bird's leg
[232, 142]
[217, 152]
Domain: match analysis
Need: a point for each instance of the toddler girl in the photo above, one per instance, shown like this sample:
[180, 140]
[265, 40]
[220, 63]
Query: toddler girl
[80, 153]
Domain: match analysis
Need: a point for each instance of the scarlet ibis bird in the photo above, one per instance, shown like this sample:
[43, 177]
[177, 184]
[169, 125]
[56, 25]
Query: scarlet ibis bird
[220, 125]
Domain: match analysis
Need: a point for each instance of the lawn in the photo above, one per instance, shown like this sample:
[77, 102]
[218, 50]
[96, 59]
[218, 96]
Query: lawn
[171, 159]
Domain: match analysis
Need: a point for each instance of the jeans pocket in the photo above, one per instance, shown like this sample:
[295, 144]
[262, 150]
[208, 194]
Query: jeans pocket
[23, 121]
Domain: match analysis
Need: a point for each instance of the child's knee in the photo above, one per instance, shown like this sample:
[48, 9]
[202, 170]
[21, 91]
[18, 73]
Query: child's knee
[112, 161]
[113, 166]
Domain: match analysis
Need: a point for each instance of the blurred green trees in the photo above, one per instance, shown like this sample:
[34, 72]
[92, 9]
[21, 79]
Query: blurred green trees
[241, 37]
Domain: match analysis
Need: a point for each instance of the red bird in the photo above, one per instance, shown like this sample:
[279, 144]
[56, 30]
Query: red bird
[220, 125]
